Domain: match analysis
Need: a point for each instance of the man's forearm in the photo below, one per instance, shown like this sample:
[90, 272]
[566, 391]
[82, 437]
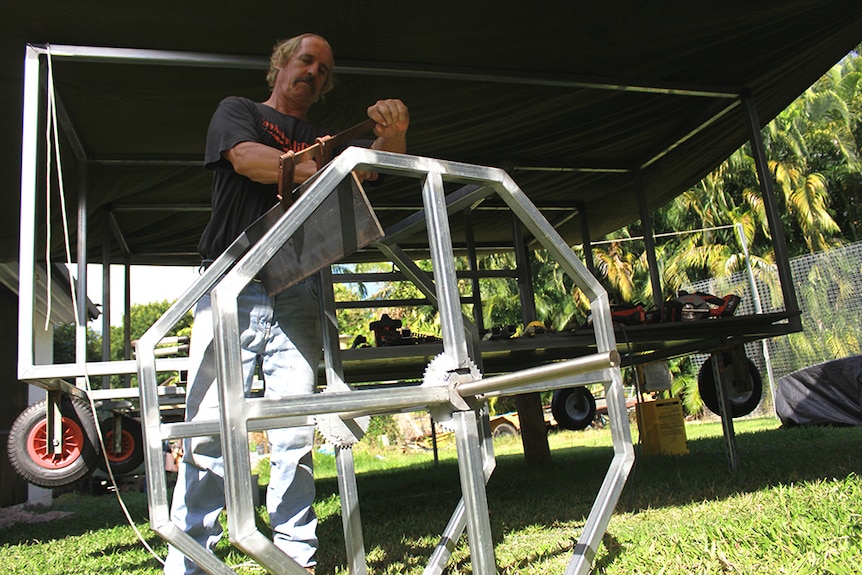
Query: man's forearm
[396, 144]
[259, 163]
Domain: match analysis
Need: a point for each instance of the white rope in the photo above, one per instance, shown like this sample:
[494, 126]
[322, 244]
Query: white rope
[49, 146]
[52, 123]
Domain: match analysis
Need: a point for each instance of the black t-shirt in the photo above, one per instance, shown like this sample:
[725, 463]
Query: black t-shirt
[238, 201]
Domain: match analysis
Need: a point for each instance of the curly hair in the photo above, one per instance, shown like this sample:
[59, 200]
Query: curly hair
[282, 52]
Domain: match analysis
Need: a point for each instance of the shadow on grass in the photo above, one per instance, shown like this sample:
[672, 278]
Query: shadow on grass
[404, 511]
[89, 513]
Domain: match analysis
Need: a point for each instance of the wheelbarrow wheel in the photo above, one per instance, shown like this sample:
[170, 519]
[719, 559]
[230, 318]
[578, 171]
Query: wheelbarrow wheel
[27, 445]
[131, 453]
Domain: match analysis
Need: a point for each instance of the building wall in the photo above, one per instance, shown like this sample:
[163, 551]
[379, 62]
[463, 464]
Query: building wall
[13, 489]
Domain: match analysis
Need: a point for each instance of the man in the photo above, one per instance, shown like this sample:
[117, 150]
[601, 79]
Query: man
[244, 144]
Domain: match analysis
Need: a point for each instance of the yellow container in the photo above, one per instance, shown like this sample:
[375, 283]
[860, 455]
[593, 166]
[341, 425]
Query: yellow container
[662, 427]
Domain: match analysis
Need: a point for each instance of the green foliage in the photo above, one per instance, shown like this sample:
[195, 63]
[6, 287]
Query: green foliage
[64, 344]
[830, 290]
[382, 425]
[353, 322]
[685, 385]
[142, 317]
[814, 158]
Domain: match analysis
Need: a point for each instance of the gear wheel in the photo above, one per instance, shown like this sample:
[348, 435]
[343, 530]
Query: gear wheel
[436, 372]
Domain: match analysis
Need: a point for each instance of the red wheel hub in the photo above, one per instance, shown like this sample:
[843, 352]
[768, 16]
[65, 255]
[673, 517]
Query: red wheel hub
[73, 442]
[127, 446]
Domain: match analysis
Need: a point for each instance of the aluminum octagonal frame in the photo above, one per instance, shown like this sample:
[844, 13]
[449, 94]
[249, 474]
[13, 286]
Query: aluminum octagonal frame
[456, 392]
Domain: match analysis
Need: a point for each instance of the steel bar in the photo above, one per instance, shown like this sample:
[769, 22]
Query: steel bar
[724, 406]
[27, 231]
[448, 298]
[546, 79]
[421, 280]
[360, 401]
[350, 516]
[556, 370]
[242, 528]
[691, 133]
[473, 493]
[602, 376]
[613, 483]
[202, 59]
[351, 524]
[212, 426]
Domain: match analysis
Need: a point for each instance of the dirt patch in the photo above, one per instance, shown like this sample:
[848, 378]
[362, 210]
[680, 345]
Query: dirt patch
[21, 514]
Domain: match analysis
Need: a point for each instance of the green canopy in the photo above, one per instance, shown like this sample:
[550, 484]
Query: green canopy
[584, 103]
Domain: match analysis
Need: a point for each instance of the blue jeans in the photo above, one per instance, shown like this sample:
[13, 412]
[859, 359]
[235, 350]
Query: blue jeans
[285, 332]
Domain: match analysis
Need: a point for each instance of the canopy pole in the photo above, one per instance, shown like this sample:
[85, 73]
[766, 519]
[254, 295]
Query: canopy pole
[649, 241]
[779, 244]
[81, 285]
[586, 239]
[106, 301]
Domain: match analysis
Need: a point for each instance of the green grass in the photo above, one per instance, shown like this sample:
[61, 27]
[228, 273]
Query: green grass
[794, 506]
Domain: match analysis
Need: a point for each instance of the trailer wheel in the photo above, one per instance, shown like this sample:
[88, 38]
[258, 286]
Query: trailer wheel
[744, 394]
[504, 430]
[573, 408]
[28, 444]
[131, 453]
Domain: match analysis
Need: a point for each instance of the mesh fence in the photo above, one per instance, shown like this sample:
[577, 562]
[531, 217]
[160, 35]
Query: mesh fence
[829, 291]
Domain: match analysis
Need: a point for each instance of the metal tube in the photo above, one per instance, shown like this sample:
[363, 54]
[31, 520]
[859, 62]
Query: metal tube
[27, 232]
[351, 524]
[81, 284]
[473, 493]
[106, 305]
[554, 370]
[440, 242]
[724, 406]
[354, 403]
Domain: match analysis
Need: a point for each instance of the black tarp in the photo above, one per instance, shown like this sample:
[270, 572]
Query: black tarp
[829, 393]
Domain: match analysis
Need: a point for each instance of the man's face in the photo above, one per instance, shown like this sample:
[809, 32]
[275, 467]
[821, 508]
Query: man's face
[302, 78]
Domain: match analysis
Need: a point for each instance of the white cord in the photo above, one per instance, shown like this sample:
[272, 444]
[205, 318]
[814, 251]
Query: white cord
[52, 123]
[49, 147]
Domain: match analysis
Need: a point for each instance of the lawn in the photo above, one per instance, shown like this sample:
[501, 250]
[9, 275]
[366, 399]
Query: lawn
[794, 506]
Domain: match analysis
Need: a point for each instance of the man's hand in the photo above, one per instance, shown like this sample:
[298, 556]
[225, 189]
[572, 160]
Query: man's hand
[392, 119]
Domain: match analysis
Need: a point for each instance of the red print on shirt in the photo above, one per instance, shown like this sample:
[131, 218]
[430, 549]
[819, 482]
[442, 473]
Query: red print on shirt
[286, 144]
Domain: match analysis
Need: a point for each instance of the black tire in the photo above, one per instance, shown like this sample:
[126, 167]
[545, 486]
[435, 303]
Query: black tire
[504, 429]
[27, 444]
[131, 453]
[573, 408]
[744, 395]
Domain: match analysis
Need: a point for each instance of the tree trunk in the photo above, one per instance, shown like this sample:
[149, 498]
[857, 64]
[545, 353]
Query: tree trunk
[534, 434]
